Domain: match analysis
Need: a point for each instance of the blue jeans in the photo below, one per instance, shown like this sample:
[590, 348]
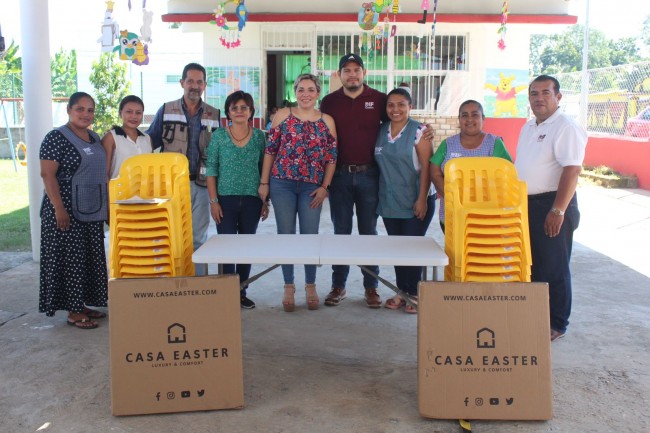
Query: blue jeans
[241, 215]
[200, 221]
[551, 256]
[408, 277]
[347, 191]
[291, 198]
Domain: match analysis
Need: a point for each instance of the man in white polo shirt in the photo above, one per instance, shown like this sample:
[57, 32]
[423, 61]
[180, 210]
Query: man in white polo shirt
[550, 152]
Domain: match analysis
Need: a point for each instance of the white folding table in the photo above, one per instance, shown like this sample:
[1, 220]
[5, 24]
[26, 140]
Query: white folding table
[324, 249]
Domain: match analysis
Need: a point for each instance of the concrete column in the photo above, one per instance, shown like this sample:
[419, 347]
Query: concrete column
[37, 89]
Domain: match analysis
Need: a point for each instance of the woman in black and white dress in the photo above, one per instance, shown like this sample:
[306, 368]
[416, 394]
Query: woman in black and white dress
[74, 208]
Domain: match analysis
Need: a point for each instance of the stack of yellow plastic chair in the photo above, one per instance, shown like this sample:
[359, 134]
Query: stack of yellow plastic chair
[486, 221]
[151, 218]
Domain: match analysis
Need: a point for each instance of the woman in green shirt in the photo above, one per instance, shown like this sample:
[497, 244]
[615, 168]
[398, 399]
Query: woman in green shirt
[471, 142]
[233, 169]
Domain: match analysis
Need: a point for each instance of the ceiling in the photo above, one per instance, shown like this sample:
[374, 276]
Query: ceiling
[552, 7]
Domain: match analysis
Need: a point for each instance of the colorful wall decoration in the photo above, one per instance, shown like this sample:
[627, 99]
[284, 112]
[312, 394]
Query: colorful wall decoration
[230, 33]
[506, 93]
[224, 80]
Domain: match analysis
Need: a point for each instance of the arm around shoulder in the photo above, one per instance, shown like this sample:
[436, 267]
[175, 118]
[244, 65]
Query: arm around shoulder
[500, 150]
[155, 129]
[329, 121]
[280, 117]
[108, 143]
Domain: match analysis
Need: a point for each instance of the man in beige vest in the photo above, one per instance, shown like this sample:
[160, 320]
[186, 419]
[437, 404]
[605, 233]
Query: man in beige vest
[185, 126]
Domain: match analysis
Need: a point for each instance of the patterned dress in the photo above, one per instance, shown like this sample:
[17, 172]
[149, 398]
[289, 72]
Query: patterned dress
[303, 149]
[73, 262]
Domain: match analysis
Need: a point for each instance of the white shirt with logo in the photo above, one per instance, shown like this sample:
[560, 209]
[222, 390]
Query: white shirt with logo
[545, 149]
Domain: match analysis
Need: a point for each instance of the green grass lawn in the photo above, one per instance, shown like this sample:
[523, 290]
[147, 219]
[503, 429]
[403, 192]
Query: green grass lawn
[14, 208]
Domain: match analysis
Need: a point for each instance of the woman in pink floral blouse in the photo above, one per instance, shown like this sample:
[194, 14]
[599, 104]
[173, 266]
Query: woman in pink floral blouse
[298, 168]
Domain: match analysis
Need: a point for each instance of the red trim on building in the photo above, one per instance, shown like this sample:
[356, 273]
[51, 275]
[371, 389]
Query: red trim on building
[631, 155]
[402, 18]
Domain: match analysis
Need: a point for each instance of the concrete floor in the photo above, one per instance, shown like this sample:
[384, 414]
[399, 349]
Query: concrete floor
[349, 368]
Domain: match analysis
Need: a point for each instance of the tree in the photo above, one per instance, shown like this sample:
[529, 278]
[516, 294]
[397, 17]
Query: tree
[108, 77]
[645, 33]
[63, 69]
[63, 72]
[624, 51]
[11, 83]
[563, 52]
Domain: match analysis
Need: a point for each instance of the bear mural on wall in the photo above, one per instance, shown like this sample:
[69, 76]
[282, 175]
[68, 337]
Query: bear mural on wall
[506, 95]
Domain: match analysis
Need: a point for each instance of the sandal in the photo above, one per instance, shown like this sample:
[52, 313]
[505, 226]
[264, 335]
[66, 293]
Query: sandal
[288, 303]
[392, 304]
[312, 296]
[94, 314]
[411, 309]
[82, 323]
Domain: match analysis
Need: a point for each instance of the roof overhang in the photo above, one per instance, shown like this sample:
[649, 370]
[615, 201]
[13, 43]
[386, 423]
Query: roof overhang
[402, 18]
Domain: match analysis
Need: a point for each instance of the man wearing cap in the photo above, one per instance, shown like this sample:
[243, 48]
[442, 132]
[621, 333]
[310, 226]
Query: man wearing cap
[358, 111]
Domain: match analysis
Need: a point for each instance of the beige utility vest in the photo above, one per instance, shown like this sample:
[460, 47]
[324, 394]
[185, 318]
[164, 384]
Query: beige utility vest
[176, 133]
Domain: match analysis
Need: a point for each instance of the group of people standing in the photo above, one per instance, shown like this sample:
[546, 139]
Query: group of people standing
[361, 149]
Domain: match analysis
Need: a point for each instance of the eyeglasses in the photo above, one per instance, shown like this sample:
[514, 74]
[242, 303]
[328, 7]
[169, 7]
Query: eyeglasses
[242, 108]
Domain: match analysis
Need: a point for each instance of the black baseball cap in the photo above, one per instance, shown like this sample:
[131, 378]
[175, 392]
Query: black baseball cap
[351, 57]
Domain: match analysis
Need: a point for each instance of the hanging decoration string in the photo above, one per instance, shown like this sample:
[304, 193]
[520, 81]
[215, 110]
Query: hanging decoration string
[502, 29]
[435, 19]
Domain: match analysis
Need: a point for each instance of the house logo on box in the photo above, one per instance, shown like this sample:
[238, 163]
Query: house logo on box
[176, 333]
[485, 339]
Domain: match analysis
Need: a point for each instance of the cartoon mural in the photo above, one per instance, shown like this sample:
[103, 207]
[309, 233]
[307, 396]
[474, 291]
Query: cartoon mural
[505, 95]
[223, 80]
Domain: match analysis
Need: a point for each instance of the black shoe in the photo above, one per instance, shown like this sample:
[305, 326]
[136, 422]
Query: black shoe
[246, 303]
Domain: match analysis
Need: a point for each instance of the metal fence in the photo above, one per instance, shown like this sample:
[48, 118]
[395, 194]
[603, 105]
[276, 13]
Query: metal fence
[616, 95]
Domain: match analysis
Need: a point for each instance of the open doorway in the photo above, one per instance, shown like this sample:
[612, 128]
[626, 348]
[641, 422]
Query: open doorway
[282, 69]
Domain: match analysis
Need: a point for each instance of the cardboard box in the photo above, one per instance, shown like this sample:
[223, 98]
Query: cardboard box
[484, 351]
[175, 344]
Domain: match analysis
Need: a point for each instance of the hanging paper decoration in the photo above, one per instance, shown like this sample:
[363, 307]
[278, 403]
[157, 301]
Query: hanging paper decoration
[395, 10]
[141, 54]
[425, 9]
[126, 47]
[502, 29]
[386, 30]
[229, 33]
[110, 29]
[368, 17]
[242, 15]
[131, 48]
[145, 30]
[382, 5]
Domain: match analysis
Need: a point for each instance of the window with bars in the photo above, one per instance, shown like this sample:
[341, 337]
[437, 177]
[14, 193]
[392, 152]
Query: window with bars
[407, 58]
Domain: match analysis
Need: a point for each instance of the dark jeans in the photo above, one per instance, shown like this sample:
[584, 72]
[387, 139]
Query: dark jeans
[347, 192]
[551, 256]
[408, 277]
[241, 215]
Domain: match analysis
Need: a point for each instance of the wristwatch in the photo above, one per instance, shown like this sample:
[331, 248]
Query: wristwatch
[557, 211]
[214, 200]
